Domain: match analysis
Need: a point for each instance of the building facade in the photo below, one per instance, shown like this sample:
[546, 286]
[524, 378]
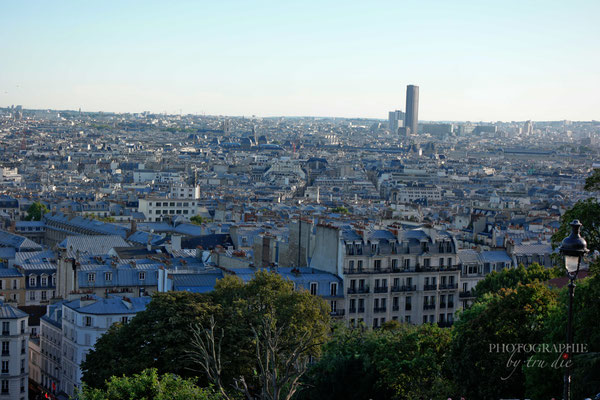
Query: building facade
[14, 365]
[412, 108]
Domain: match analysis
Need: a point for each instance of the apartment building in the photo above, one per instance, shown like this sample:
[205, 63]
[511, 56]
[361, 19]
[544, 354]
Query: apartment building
[51, 348]
[159, 209]
[83, 321]
[14, 365]
[405, 275]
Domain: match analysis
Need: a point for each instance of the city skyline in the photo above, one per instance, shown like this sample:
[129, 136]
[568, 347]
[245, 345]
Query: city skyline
[473, 62]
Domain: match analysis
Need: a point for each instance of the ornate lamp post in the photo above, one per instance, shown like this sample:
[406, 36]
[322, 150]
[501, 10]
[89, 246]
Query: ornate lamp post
[573, 248]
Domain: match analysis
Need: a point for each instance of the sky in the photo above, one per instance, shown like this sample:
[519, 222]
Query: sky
[473, 60]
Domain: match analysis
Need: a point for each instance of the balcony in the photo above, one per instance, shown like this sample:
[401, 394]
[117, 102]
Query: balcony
[351, 271]
[5, 333]
[429, 287]
[380, 309]
[337, 313]
[449, 286]
[5, 353]
[380, 289]
[465, 294]
[428, 306]
[445, 324]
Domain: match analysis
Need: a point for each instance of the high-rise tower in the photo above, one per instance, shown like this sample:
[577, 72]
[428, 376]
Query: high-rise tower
[412, 108]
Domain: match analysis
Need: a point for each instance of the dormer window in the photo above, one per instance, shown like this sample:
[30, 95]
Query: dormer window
[92, 277]
[32, 280]
[142, 276]
[44, 280]
[449, 247]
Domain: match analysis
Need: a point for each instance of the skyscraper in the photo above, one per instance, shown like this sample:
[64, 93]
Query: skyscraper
[412, 108]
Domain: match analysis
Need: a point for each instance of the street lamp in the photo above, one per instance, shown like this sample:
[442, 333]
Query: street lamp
[573, 248]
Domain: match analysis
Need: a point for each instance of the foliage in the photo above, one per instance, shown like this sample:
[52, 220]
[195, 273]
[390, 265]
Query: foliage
[592, 182]
[547, 383]
[511, 316]
[512, 277]
[155, 338]
[36, 211]
[102, 219]
[588, 213]
[148, 386]
[243, 310]
[199, 220]
[160, 336]
[402, 361]
[340, 210]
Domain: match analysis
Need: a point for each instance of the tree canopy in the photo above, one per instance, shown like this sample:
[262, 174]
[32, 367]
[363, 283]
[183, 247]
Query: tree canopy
[399, 361]
[160, 337]
[511, 316]
[588, 213]
[148, 386]
[512, 277]
[592, 182]
[36, 211]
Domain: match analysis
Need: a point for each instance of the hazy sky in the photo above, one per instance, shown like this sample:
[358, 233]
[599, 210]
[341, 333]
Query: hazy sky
[473, 60]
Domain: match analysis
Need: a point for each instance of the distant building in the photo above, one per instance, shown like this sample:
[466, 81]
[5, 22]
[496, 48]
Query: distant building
[396, 120]
[159, 209]
[412, 108]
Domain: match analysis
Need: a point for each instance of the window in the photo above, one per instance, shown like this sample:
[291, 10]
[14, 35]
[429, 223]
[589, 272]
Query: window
[23, 326]
[406, 263]
[124, 320]
[407, 319]
[91, 277]
[108, 276]
[87, 339]
[32, 281]
[5, 367]
[44, 281]
[4, 386]
[32, 295]
[377, 265]
[408, 305]
[441, 262]
[53, 279]
[5, 348]
[87, 321]
[142, 276]
[449, 262]
[359, 265]
[15, 284]
[313, 288]
[333, 288]
[5, 328]
[394, 263]
[426, 262]
[351, 265]
[44, 295]
[333, 305]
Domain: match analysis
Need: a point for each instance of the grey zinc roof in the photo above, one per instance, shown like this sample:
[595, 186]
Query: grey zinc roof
[9, 312]
[110, 306]
[468, 256]
[8, 239]
[91, 245]
[494, 256]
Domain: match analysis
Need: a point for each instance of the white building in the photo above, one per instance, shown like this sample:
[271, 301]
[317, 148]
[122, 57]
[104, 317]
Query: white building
[182, 191]
[14, 365]
[408, 194]
[83, 321]
[158, 209]
[51, 348]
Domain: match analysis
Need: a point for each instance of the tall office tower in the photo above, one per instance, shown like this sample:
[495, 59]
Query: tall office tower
[412, 108]
[527, 128]
[396, 120]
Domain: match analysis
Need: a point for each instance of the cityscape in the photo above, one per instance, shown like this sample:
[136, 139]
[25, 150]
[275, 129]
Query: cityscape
[194, 255]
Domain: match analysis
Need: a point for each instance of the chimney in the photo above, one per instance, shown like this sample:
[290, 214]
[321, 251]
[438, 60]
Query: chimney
[176, 242]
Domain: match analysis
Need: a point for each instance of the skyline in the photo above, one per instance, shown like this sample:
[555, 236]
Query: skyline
[472, 62]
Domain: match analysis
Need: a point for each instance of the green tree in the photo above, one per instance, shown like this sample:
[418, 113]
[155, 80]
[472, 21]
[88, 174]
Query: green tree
[199, 220]
[592, 182]
[155, 338]
[148, 386]
[588, 213]
[547, 382]
[512, 277]
[340, 210]
[248, 317]
[36, 211]
[161, 336]
[480, 365]
[402, 361]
